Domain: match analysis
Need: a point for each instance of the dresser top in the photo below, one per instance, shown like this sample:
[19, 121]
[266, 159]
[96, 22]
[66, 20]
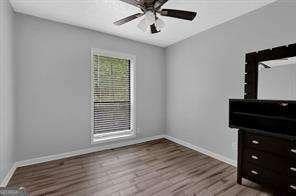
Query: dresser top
[261, 101]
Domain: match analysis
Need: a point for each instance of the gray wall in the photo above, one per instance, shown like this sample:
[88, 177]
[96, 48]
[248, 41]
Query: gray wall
[204, 71]
[53, 85]
[6, 88]
[52, 80]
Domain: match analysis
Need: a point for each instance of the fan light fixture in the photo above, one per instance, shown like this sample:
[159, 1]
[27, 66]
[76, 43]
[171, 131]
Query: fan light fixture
[150, 19]
[150, 10]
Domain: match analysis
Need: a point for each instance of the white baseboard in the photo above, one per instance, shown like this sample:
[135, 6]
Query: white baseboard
[8, 176]
[111, 146]
[73, 153]
[85, 151]
[203, 151]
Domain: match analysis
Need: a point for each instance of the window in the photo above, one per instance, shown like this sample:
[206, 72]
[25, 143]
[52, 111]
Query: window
[112, 96]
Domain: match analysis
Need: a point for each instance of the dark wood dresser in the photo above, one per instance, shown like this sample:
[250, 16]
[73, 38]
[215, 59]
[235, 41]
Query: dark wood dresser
[267, 142]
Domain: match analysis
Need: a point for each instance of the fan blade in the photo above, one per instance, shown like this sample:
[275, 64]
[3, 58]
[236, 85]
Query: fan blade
[137, 3]
[185, 15]
[128, 19]
[153, 29]
[159, 3]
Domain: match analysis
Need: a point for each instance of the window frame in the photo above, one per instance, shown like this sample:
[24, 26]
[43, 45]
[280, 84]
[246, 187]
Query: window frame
[118, 135]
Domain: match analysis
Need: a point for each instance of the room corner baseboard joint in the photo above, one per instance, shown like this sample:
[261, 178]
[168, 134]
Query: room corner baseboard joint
[10, 173]
[203, 151]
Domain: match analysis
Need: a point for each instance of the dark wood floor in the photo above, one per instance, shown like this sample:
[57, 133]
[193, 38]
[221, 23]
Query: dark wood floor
[159, 167]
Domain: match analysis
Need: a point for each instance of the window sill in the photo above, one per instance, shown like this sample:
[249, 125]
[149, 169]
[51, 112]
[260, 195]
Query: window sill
[111, 137]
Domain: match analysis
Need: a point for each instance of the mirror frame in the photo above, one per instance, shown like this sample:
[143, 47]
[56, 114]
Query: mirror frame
[252, 63]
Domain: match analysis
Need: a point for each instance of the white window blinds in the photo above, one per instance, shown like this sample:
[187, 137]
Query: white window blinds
[111, 94]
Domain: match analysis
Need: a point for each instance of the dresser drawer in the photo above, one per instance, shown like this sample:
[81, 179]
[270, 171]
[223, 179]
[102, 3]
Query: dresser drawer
[266, 160]
[268, 144]
[263, 176]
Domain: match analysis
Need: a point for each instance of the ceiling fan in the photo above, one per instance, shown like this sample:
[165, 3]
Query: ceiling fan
[151, 9]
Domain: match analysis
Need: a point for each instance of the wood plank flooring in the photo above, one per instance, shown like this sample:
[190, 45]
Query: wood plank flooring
[158, 167]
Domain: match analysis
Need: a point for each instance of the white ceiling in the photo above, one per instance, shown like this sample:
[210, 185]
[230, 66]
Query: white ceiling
[100, 15]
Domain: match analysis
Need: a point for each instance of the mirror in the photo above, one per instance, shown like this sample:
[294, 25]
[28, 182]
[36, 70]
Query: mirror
[277, 79]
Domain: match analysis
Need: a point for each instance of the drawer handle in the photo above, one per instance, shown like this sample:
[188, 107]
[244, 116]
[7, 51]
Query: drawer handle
[284, 104]
[254, 157]
[293, 187]
[254, 172]
[293, 169]
[293, 150]
[255, 142]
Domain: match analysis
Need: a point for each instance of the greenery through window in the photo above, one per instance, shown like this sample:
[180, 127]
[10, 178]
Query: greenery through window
[111, 83]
